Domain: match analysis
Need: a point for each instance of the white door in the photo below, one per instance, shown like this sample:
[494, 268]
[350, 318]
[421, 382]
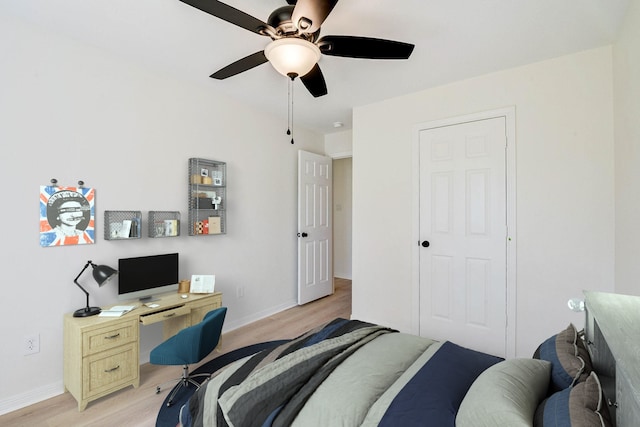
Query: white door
[463, 234]
[315, 257]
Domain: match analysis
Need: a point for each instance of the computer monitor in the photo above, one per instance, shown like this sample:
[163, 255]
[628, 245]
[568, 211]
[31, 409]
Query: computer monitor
[146, 276]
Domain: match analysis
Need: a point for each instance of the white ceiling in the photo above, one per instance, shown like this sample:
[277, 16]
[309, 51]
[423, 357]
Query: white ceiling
[455, 39]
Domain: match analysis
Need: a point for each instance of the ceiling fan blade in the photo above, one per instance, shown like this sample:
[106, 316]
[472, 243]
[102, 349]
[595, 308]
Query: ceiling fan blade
[314, 82]
[244, 64]
[308, 15]
[364, 47]
[229, 14]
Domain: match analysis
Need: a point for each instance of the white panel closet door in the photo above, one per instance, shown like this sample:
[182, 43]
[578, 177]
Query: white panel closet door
[463, 232]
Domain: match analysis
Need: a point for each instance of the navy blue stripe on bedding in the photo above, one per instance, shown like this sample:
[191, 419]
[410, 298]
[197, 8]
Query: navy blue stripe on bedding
[333, 329]
[326, 331]
[432, 397]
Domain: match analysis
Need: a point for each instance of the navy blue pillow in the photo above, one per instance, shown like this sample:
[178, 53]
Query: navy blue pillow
[581, 405]
[437, 389]
[568, 364]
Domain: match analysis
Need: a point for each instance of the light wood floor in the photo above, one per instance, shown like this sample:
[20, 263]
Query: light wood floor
[139, 406]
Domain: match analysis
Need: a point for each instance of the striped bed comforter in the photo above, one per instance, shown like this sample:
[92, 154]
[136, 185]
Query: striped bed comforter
[345, 373]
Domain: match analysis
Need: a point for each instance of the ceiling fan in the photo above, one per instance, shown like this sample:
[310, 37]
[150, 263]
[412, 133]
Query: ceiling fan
[296, 46]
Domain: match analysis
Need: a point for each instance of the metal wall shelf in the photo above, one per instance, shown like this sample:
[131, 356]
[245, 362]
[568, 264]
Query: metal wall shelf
[164, 224]
[207, 197]
[122, 225]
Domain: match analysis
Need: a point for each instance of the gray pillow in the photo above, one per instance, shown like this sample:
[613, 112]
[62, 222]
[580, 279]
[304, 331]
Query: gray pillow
[506, 394]
[570, 361]
[581, 405]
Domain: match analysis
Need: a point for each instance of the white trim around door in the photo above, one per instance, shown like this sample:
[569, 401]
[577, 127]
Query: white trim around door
[510, 168]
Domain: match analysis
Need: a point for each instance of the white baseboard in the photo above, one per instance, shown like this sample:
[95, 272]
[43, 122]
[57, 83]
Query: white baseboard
[30, 397]
[48, 391]
[230, 326]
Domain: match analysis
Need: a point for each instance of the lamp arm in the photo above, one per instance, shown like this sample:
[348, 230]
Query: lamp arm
[78, 284]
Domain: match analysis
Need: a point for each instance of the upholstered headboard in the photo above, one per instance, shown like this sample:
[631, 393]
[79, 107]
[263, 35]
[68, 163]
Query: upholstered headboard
[613, 336]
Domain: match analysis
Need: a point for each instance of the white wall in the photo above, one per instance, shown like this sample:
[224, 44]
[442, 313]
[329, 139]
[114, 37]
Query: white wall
[565, 183]
[626, 66]
[342, 217]
[71, 112]
[339, 145]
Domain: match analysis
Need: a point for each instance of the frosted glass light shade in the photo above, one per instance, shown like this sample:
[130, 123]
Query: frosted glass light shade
[292, 56]
[576, 304]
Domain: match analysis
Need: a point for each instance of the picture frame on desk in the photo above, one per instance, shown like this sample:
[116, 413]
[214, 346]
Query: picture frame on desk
[202, 284]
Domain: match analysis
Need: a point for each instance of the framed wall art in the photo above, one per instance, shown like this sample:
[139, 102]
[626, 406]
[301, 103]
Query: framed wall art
[67, 216]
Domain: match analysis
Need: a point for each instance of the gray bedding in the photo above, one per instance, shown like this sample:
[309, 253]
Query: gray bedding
[346, 373]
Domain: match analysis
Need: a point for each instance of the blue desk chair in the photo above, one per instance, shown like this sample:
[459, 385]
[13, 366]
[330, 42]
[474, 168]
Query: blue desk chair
[189, 346]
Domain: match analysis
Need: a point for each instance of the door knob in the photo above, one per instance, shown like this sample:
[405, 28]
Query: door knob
[425, 244]
[302, 234]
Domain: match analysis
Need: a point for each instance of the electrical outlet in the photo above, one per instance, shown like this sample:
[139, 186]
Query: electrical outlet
[31, 344]
[240, 292]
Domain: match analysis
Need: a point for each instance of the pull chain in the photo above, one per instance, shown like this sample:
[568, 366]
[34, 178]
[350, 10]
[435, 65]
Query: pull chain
[290, 107]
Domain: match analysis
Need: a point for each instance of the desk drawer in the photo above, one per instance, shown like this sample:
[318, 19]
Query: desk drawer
[110, 370]
[164, 315]
[97, 340]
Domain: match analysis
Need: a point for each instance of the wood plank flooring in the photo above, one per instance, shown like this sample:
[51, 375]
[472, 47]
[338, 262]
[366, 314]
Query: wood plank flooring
[139, 406]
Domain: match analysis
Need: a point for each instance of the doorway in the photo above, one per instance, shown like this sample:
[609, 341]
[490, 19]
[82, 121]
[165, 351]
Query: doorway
[464, 262]
[342, 217]
[315, 226]
[324, 224]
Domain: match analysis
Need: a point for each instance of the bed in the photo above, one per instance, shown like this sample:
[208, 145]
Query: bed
[353, 373]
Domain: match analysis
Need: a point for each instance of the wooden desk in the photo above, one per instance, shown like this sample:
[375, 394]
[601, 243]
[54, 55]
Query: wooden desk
[101, 354]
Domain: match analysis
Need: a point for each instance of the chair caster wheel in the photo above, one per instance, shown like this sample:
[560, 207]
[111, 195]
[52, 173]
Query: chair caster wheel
[158, 390]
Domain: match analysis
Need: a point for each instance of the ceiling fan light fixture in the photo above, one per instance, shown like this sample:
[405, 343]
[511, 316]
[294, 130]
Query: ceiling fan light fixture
[292, 56]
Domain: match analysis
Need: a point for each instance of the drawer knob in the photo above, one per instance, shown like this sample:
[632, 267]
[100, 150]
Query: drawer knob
[110, 337]
[169, 315]
[112, 369]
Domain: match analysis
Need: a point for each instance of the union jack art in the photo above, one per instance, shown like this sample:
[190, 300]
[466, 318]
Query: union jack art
[67, 216]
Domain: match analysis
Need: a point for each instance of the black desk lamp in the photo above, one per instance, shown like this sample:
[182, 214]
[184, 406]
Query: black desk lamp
[102, 274]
